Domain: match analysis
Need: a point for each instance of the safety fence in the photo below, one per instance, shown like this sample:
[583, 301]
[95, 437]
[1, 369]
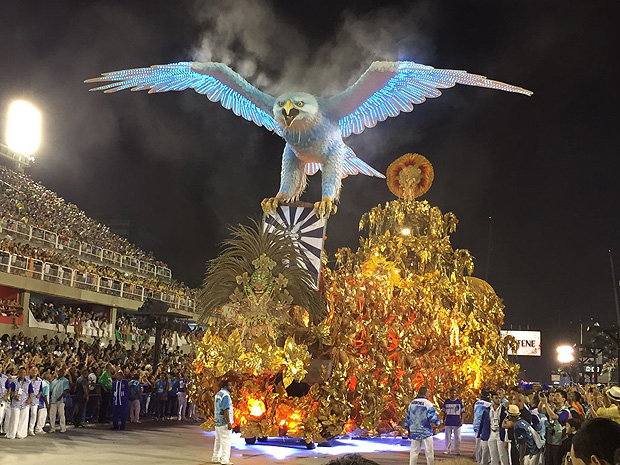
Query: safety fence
[58, 274]
[45, 238]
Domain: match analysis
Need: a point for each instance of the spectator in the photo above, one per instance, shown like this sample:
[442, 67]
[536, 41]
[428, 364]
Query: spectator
[59, 388]
[554, 407]
[105, 380]
[524, 434]
[352, 459]
[161, 396]
[135, 395]
[596, 442]
[610, 408]
[81, 394]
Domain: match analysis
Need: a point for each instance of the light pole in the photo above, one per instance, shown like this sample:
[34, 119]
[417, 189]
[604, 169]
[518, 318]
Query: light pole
[566, 356]
[23, 133]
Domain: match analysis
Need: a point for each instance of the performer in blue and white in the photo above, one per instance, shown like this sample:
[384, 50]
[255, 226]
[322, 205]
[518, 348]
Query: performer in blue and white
[453, 411]
[4, 402]
[479, 407]
[420, 419]
[44, 403]
[120, 401]
[37, 384]
[21, 396]
[223, 415]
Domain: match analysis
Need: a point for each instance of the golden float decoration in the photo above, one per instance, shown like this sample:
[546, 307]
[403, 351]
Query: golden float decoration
[402, 311]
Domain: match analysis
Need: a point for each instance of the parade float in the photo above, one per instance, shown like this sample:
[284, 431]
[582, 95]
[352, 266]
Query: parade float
[400, 312]
[317, 351]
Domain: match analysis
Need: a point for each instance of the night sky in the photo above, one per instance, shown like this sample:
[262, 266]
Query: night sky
[182, 169]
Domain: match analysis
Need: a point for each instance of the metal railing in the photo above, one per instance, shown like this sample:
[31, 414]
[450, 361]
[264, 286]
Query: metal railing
[54, 273]
[43, 237]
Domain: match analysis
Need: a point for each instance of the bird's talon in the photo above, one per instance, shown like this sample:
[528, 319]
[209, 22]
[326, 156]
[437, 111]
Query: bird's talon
[325, 208]
[270, 204]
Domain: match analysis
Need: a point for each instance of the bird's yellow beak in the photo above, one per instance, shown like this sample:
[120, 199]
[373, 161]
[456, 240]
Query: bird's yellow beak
[289, 113]
[288, 106]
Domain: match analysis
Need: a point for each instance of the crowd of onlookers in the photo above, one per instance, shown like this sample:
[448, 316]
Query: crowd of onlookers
[531, 424]
[57, 257]
[31, 203]
[97, 324]
[75, 381]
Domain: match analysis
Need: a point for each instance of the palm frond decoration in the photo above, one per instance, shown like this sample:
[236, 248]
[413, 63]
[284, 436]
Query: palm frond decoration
[252, 250]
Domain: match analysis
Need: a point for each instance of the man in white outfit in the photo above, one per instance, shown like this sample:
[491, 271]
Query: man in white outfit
[37, 384]
[59, 388]
[223, 414]
[21, 396]
[497, 438]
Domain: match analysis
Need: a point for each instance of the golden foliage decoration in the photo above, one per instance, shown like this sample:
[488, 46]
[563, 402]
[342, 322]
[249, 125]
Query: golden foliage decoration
[402, 312]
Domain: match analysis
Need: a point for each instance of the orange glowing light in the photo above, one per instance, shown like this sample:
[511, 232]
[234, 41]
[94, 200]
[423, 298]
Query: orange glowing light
[257, 407]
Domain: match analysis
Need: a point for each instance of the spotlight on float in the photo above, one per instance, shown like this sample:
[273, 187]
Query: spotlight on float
[23, 130]
[566, 354]
[405, 231]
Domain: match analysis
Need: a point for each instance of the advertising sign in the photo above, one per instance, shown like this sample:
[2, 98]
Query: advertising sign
[529, 342]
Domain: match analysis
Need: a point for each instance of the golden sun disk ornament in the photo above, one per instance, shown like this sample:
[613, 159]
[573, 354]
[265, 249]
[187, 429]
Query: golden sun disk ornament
[410, 176]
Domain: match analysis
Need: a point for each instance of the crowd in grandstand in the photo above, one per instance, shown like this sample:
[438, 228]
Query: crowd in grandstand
[96, 324]
[57, 257]
[74, 380]
[30, 202]
[26, 201]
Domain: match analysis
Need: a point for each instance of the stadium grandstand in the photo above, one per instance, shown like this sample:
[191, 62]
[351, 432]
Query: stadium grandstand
[62, 271]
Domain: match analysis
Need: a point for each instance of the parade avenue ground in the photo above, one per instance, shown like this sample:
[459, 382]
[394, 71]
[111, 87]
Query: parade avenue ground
[184, 443]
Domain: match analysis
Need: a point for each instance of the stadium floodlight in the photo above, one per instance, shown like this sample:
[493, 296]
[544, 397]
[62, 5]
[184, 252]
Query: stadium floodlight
[23, 130]
[566, 354]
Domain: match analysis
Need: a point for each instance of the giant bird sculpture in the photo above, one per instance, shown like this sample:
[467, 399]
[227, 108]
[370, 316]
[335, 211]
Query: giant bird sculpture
[313, 127]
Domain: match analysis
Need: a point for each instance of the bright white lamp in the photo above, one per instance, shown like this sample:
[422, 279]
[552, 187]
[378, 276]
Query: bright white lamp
[23, 131]
[566, 354]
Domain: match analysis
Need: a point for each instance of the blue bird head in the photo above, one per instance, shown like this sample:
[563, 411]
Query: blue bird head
[295, 109]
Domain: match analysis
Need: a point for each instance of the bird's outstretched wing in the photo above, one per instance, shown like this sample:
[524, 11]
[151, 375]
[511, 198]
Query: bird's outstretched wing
[390, 87]
[216, 80]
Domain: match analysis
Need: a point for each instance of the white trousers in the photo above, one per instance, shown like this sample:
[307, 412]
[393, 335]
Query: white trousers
[221, 447]
[498, 452]
[182, 404]
[18, 426]
[57, 407]
[454, 447]
[34, 410]
[5, 414]
[416, 445]
[532, 459]
[134, 411]
[41, 417]
[484, 453]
